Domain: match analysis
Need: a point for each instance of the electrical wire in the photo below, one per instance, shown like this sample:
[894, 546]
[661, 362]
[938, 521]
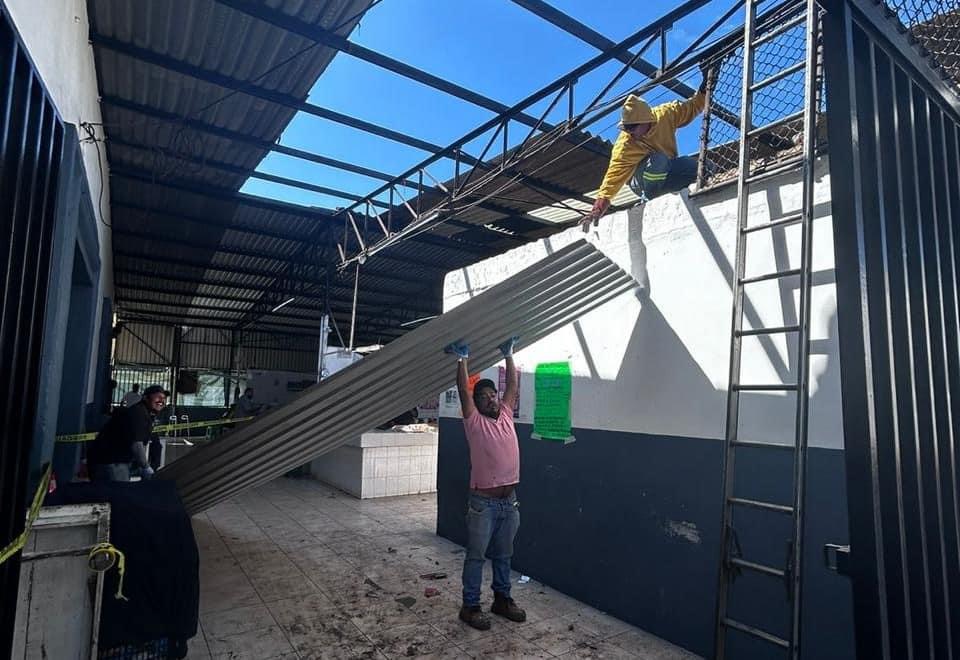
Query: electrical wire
[91, 132]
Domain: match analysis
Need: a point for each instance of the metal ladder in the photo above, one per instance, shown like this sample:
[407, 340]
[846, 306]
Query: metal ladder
[731, 564]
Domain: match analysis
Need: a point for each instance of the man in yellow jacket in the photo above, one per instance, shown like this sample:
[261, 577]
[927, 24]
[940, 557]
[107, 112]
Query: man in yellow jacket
[646, 150]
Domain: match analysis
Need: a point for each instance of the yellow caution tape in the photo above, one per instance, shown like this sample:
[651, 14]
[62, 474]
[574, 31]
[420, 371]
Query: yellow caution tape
[113, 556]
[17, 544]
[87, 437]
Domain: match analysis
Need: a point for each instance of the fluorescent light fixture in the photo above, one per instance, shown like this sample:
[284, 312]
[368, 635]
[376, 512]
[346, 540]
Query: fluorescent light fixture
[283, 304]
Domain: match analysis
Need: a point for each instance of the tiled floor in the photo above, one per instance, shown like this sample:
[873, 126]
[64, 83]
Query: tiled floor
[295, 569]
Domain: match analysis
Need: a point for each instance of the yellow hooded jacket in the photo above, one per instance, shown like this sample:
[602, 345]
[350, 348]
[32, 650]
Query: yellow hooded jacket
[628, 153]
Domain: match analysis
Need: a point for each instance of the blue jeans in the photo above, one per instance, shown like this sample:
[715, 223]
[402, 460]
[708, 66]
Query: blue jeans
[492, 524]
[660, 174]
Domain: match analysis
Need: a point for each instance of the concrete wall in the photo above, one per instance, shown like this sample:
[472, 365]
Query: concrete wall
[55, 33]
[627, 517]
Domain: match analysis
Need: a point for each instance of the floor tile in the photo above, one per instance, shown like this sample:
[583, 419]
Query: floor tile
[236, 621]
[252, 645]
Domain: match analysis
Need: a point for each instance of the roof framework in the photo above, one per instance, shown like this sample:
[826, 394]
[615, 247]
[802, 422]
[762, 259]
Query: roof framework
[191, 110]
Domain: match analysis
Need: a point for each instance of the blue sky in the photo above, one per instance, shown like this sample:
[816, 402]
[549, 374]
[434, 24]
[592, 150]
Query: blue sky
[493, 47]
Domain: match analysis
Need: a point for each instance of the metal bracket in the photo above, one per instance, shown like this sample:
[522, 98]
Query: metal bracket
[837, 558]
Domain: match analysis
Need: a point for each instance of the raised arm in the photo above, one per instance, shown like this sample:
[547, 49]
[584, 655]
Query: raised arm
[462, 351]
[512, 389]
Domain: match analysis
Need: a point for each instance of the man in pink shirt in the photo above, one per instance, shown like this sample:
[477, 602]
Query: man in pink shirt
[493, 514]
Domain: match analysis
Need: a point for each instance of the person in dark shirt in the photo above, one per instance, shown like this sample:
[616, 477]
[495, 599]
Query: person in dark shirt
[123, 439]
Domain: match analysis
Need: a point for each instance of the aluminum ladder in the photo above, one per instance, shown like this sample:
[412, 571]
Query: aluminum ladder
[731, 563]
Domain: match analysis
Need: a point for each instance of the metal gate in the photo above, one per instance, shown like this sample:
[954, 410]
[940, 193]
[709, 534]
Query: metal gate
[31, 141]
[894, 131]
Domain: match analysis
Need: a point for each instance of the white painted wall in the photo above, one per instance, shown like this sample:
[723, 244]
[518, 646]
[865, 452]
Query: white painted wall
[660, 365]
[56, 35]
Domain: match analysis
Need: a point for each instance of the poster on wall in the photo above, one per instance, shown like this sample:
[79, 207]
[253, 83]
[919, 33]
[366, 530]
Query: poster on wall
[553, 385]
[502, 387]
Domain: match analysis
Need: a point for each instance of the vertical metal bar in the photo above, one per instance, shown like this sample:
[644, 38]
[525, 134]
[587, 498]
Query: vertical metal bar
[952, 365]
[705, 127]
[803, 339]
[419, 191]
[951, 156]
[910, 133]
[934, 366]
[506, 141]
[570, 101]
[353, 311]
[733, 395]
[884, 171]
[663, 50]
[390, 212]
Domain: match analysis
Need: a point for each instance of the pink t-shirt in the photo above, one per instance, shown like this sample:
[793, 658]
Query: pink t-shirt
[494, 450]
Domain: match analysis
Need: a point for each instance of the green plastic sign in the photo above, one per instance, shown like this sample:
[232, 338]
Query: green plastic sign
[553, 385]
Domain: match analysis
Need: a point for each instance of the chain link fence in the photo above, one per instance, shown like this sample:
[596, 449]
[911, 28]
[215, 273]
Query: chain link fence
[779, 56]
[935, 24]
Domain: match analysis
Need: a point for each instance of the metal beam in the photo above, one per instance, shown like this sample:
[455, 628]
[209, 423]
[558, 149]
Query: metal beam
[333, 302]
[205, 265]
[243, 138]
[254, 201]
[255, 231]
[205, 321]
[242, 252]
[318, 34]
[193, 320]
[240, 171]
[549, 90]
[272, 96]
[584, 33]
[280, 290]
[218, 308]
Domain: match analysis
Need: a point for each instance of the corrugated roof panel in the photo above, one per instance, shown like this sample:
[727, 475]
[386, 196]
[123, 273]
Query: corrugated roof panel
[142, 343]
[535, 302]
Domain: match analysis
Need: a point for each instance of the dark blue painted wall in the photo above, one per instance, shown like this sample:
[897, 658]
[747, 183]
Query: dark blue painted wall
[71, 314]
[629, 523]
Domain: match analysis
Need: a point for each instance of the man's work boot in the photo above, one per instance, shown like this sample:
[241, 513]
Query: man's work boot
[474, 617]
[507, 608]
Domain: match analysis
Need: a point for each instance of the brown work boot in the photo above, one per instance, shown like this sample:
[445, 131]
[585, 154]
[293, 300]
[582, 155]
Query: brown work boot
[474, 617]
[507, 608]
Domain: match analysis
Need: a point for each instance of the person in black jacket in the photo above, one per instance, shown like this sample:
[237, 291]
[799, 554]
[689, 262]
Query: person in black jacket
[123, 439]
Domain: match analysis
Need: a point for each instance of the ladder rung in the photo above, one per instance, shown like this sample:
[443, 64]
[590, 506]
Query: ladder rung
[775, 124]
[756, 632]
[759, 504]
[768, 331]
[781, 222]
[759, 568]
[780, 75]
[765, 387]
[760, 445]
[773, 34]
[771, 276]
[782, 168]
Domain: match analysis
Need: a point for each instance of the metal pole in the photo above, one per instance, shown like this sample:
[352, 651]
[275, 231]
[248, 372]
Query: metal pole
[353, 313]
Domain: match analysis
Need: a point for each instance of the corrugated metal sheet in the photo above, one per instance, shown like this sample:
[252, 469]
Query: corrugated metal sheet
[144, 343]
[533, 303]
[261, 350]
[211, 36]
[205, 348]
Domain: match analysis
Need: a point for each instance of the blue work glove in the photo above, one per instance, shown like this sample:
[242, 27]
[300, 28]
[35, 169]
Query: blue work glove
[506, 348]
[146, 473]
[459, 348]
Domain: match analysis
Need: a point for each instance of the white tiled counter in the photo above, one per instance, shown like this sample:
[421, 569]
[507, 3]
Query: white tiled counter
[381, 464]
